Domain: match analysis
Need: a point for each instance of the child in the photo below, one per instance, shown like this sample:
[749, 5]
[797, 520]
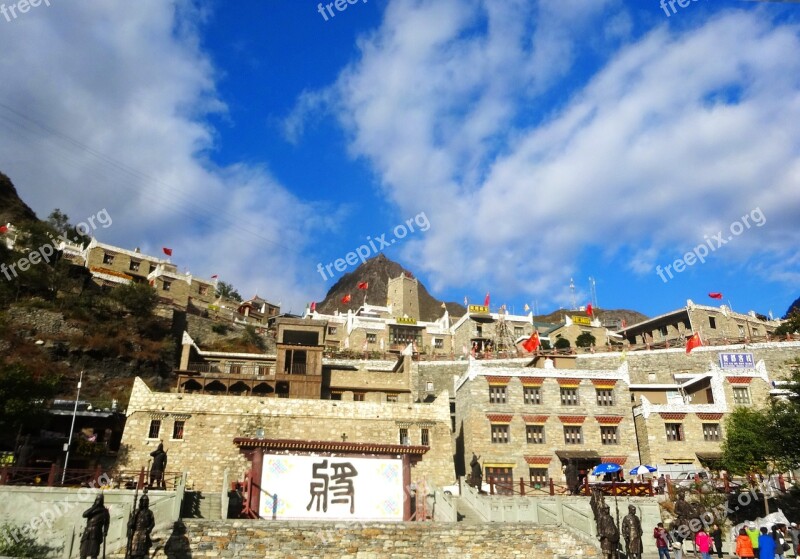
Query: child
[703, 542]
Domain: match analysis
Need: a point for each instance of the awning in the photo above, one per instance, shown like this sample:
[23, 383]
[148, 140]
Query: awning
[579, 454]
[709, 455]
[678, 460]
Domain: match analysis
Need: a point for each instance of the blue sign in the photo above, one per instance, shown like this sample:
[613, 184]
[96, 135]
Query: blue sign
[736, 361]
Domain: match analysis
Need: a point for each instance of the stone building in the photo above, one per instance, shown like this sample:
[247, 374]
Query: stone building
[251, 413]
[576, 324]
[483, 333]
[716, 326]
[527, 422]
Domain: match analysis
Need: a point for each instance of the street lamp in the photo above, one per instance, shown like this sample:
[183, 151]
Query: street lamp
[71, 429]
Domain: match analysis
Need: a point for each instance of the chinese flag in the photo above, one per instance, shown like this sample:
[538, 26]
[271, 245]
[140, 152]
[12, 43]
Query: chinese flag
[532, 343]
[715, 295]
[313, 306]
[346, 299]
[363, 285]
[3, 229]
[486, 300]
[693, 342]
[167, 251]
[589, 310]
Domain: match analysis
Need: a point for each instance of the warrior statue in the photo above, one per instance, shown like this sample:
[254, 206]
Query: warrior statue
[139, 528]
[632, 532]
[476, 474]
[607, 533]
[157, 469]
[571, 473]
[94, 535]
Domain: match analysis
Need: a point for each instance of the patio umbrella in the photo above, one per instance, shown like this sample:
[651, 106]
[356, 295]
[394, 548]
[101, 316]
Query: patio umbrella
[606, 468]
[643, 469]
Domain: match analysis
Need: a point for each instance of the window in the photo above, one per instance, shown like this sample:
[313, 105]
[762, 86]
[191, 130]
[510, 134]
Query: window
[573, 434]
[263, 370]
[424, 437]
[497, 394]
[429, 386]
[518, 331]
[372, 338]
[177, 430]
[711, 432]
[608, 435]
[331, 330]
[539, 477]
[236, 368]
[712, 322]
[755, 330]
[535, 434]
[403, 435]
[502, 478]
[741, 395]
[391, 398]
[166, 285]
[532, 395]
[134, 266]
[741, 331]
[605, 397]
[674, 431]
[438, 343]
[108, 258]
[569, 396]
[500, 434]
[155, 429]
[152, 268]
[358, 396]
[664, 332]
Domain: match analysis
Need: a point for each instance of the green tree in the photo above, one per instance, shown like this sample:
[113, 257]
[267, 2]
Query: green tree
[138, 298]
[227, 291]
[790, 326]
[745, 448]
[585, 340]
[562, 343]
[23, 397]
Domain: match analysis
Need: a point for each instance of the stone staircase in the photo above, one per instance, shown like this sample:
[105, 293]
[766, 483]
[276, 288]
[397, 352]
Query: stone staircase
[210, 504]
[466, 513]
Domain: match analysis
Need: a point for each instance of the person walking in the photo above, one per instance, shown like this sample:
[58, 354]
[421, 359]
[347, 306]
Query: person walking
[744, 546]
[752, 533]
[703, 542]
[766, 544]
[716, 535]
[662, 541]
[794, 533]
[780, 541]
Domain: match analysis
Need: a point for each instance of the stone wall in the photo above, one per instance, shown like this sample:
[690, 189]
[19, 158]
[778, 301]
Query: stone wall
[211, 423]
[200, 539]
[659, 365]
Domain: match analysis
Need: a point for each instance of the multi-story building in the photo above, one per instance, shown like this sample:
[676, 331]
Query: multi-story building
[527, 422]
[282, 418]
[716, 326]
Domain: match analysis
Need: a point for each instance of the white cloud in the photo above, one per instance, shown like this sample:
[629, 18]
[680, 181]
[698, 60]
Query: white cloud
[675, 136]
[123, 91]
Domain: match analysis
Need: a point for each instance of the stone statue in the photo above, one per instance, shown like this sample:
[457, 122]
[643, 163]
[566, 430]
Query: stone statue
[94, 535]
[476, 473]
[159, 466]
[607, 533]
[596, 501]
[632, 532]
[571, 473]
[139, 528]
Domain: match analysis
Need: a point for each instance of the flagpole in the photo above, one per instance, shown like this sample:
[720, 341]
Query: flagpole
[71, 429]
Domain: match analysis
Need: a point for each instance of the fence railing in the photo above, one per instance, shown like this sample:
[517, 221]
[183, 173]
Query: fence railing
[76, 477]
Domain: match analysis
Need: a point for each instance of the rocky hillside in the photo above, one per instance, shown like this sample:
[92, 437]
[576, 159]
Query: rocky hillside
[12, 208]
[376, 272]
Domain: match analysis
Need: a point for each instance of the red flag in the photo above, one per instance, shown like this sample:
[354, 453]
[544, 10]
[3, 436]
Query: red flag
[346, 299]
[589, 310]
[486, 300]
[693, 342]
[167, 251]
[532, 343]
[314, 306]
[215, 276]
[715, 295]
[3, 229]
[363, 285]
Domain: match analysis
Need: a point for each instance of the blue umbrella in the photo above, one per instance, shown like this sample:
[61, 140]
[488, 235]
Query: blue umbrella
[643, 469]
[606, 468]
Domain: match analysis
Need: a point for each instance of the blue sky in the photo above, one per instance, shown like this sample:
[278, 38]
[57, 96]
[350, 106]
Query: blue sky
[540, 140]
